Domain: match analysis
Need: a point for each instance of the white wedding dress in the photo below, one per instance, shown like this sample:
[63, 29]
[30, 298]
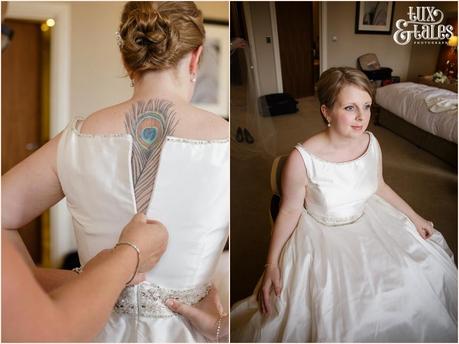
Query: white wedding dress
[355, 269]
[191, 198]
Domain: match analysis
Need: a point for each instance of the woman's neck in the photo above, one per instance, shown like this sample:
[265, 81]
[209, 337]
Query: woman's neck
[163, 84]
[338, 142]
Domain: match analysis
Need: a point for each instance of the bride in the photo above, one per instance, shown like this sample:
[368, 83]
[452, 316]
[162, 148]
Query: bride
[153, 153]
[349, 259]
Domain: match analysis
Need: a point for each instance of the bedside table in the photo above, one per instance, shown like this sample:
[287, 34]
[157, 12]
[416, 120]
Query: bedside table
[427, 80]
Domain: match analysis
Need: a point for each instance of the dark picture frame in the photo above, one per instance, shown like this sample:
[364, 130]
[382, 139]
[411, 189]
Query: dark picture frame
[374, 17]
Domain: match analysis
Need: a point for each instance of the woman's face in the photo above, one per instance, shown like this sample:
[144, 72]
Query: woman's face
[350, 114]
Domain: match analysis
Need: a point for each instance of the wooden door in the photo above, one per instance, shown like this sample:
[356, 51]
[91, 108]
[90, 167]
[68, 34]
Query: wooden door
[295, 31]
[21, 108]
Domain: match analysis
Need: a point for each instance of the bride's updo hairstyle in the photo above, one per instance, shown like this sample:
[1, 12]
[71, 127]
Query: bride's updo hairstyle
[155, 35]
[333, 80]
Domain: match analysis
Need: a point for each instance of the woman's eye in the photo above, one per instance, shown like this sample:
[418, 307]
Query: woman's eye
[349, 108]
[367, 107]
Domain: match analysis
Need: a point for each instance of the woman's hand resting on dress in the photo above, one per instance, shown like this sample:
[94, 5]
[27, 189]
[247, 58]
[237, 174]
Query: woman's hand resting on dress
[424, 227]
[271, 280]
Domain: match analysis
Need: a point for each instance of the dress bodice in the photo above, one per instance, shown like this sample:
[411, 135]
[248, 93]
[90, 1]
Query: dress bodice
[190, 197]
[336, 193]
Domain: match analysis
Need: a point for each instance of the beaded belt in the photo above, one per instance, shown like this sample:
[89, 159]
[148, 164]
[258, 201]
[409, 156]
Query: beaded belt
[335, 221]
[148, 299]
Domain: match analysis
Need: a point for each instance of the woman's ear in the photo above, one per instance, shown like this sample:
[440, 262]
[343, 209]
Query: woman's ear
[324, 111]
[194, 62]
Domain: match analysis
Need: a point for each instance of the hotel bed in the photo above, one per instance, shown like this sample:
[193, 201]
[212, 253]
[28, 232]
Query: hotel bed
[424, 115]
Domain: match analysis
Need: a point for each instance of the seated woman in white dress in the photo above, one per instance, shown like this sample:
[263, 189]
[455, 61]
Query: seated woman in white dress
[154, 153]
[349, 260]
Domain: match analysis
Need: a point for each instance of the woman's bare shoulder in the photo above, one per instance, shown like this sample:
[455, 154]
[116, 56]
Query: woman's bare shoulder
[294, 167]
[109, 120]
[217, 124]
[201, 123]
[315, 143]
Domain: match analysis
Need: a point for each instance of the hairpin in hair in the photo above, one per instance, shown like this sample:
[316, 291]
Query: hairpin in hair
[119, 40]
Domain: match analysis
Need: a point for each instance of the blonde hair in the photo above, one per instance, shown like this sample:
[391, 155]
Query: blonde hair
[333, 80]
[156, 35]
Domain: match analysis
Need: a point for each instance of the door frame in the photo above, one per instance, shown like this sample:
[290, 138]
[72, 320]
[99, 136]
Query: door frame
[275, 39]
[61, 242]
[323, 36]
[322, 40]
[251, 39]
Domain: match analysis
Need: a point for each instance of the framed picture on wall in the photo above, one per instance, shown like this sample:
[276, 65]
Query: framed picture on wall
[211, 90]
[374, 17]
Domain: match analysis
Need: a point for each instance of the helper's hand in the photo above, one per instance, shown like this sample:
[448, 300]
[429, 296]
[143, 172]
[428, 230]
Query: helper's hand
[271, 280]
[149, 236]
[204, 316]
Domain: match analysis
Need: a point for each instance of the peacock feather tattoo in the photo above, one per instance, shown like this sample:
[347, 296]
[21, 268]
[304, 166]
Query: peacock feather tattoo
[149, 124]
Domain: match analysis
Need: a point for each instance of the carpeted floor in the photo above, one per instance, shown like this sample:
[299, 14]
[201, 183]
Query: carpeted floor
[424, 181]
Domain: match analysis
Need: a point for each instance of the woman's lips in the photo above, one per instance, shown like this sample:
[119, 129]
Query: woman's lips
[357, 127]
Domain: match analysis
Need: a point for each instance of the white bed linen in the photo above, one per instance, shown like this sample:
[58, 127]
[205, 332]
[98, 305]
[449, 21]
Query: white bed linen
[407, 100]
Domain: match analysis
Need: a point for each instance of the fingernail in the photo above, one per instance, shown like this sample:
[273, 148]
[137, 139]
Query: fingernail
[170, 303]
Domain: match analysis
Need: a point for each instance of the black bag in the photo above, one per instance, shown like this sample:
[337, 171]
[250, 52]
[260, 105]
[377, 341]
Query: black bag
[276, 104]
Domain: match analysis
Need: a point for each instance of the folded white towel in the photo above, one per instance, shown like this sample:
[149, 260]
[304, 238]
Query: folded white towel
[439, 104]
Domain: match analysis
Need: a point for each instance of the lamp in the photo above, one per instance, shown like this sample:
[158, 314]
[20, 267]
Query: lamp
[451, 66]
[452, 41]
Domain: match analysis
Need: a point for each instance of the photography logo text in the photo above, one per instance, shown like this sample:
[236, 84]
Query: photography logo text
[423, 27]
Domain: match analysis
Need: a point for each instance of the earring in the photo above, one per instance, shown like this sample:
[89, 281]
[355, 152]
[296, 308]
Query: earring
[329, 124]
[132, 83]
[193, 77]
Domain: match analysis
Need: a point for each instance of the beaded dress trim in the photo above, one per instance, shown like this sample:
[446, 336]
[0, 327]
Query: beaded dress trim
[148, 299]
[78, 121]
[335, 221]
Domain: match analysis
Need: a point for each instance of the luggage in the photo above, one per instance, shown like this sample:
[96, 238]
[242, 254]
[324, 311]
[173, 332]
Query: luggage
[369, 64]
[276, 104]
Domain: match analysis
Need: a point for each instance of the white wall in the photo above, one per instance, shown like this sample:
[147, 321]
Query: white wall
[96, 68]
[349, 46]
[260, 18]
[218, 10]
[97, 74]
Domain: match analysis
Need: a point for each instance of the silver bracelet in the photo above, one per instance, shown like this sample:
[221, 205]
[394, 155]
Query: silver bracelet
[138, 257]
[219, 326]
[78, 270]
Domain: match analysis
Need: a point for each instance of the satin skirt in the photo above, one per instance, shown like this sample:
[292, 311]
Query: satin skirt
[375, 280]
[131, 329]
